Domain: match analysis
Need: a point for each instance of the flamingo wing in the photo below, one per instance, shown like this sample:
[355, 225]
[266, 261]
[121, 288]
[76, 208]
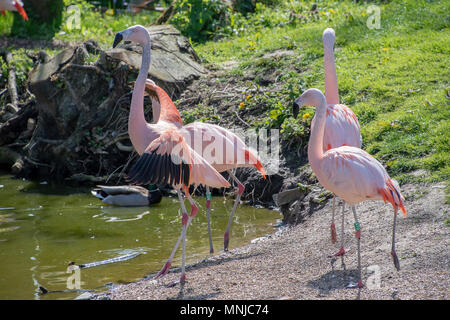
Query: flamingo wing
[170, 160]
[220, 147]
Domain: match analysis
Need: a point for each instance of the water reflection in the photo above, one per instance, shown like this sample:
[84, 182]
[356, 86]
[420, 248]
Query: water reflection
[43, 228]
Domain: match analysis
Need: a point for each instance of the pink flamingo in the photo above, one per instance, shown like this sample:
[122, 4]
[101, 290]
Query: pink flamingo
[165, 156]
[342, 127]
[211, 137]
[349, 172]
[13, 5]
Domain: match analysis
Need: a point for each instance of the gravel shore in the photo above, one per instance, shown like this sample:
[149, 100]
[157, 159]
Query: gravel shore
[295, 262]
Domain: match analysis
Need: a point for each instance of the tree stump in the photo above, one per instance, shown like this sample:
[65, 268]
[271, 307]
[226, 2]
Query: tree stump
[83, 106]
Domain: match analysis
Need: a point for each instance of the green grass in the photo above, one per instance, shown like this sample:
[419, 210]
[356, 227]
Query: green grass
[93, 24]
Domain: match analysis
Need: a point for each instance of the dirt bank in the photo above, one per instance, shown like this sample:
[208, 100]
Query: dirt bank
[295, 263]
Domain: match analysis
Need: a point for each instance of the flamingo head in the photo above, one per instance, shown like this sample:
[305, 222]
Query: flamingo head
[311, 97]
[328, 38]
[137, 33]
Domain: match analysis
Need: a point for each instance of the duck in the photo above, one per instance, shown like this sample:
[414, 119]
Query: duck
[127, 195]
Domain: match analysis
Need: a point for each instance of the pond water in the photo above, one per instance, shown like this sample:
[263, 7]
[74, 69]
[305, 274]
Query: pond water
[45, 227]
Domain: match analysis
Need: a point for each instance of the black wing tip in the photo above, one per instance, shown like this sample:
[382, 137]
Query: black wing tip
[159, 169]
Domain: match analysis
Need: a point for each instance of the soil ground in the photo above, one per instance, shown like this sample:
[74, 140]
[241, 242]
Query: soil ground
[295, 262]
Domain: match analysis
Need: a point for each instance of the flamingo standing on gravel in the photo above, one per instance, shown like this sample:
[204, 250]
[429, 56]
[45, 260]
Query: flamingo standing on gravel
[349, 172]
[341, 125]
[212, 137]
[165, 157]
[13, 5]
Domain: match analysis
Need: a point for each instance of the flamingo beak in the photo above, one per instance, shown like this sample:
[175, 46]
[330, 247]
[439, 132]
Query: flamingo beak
[117, 39]
[295, 109]
[21, 11]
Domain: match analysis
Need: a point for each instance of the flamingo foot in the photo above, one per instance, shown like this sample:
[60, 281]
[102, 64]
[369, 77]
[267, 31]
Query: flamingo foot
[226, 240]
[175, 282]
[164, 270]
[211, 251]
[396, 261]
[333, 233]
[341, 252]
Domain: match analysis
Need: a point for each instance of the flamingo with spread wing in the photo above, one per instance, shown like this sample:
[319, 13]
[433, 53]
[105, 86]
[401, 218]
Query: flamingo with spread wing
[165, 156]
[221, 147]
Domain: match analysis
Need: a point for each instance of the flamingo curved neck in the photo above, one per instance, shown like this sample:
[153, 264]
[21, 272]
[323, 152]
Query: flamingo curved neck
[331, 85]
[156, 110]
[315, 145]
[137, 126]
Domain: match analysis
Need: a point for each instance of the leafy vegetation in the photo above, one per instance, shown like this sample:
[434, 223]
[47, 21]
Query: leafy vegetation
[200, 19]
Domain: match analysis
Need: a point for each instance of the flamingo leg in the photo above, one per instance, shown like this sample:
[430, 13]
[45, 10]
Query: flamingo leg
[167, 265]
[333, 227]
[186, 221]
[393, 253]
[194, 210]
[358, 240]
[342, 250]
[241, 189]
[208, 211]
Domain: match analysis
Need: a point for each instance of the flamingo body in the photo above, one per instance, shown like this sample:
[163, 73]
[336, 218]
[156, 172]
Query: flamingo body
[369, 180]
[341, 127]
[169, 159]
[222, 148]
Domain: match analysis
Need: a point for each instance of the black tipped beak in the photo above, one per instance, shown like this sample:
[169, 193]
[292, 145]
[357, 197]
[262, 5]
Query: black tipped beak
[117, 39]
[295, 109]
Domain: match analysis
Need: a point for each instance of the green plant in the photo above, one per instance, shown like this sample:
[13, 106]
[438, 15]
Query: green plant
[200, 19]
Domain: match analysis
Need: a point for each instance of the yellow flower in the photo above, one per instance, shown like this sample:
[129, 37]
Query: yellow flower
[242, 105]
[385, 49]
[332, 11]
[248, 97]
[109, 12]
[305, 116]
[363, 13]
